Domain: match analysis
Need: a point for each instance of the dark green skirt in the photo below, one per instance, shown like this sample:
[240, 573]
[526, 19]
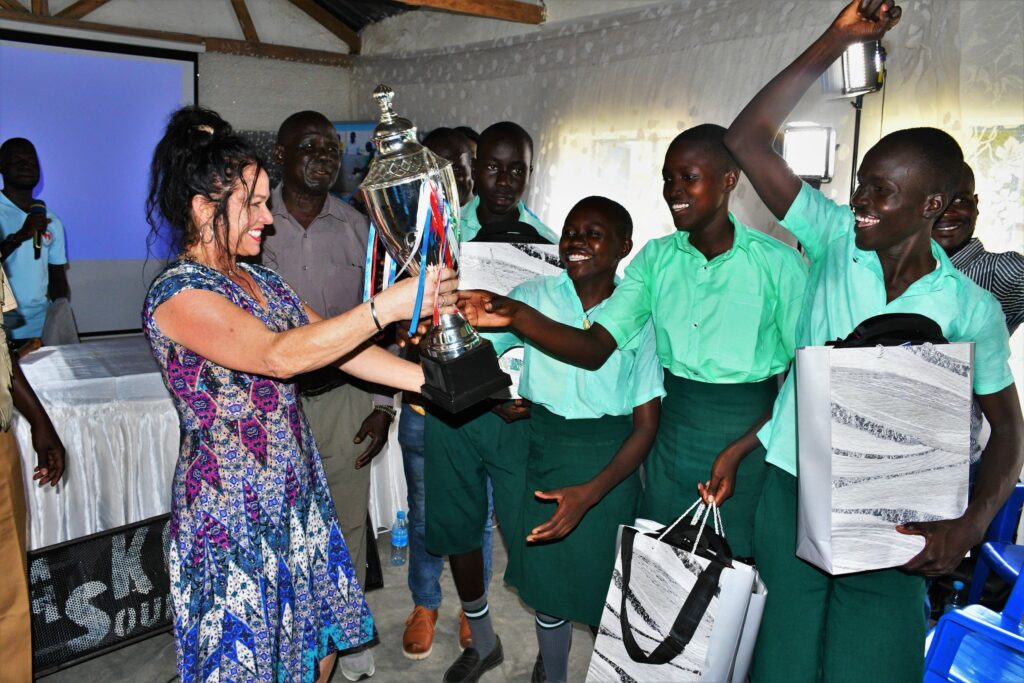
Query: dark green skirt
[698, 420]
[568, 578]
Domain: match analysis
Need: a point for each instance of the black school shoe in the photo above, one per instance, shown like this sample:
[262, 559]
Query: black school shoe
[468, 668]
[538, 675]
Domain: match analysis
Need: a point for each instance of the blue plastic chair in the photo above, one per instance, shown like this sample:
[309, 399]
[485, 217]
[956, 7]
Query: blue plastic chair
[977, 645]
[998, 553]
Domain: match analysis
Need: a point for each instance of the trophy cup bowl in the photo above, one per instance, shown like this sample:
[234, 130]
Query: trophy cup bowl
[413, 201]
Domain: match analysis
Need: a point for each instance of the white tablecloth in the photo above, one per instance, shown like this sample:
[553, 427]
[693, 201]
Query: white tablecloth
[110, 407]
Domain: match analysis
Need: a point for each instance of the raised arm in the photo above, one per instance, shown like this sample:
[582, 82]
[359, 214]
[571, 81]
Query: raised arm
[588, 349]
[213, 327]
[751, 135]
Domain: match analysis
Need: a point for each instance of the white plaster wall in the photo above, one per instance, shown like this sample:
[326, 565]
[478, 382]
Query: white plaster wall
[258, 94]
[276, 21]
[423, 30]
[252, 93]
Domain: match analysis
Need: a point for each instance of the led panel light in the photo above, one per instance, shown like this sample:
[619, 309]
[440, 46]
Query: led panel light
[863, 67]
[809, 150]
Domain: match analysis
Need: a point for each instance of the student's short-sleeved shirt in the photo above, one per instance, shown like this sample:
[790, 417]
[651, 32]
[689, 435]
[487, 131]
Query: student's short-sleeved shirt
[630, 377]
[469, 223]
[847, 287]
[730, 320]
[29, 276]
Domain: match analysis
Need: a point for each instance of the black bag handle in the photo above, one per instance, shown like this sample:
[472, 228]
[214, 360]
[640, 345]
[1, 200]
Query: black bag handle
[686, 622]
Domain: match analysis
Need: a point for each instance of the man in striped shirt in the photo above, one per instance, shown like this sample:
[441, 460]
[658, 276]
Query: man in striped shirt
[1002, 274]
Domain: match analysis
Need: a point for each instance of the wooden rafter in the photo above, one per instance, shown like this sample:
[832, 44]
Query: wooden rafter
[245, 21]
[41, 7]
[331, 23]
[507, 10]
[272, 51]
[224, 45]
[77, 10]
[13, 6]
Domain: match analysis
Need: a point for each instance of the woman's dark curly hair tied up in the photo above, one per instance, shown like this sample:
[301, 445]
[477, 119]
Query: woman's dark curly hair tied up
[199, 154]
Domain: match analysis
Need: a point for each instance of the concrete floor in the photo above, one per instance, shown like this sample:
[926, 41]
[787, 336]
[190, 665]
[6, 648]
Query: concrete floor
[152, 661]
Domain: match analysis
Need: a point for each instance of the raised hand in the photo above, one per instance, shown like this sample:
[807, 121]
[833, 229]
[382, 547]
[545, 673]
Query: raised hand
[867, 19]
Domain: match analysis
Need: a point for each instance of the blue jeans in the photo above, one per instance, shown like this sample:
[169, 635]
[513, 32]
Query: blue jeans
[424, 568]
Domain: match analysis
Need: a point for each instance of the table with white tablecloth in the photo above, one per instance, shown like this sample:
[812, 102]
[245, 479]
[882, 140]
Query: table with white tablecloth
[109, 405]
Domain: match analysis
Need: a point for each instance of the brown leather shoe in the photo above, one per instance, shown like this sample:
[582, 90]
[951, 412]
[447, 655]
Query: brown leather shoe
[465, 635]
[418, 639]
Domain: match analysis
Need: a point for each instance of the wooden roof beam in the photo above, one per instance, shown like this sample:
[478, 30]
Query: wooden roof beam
[12, 6]
[506, 10]
[64, 22]
[331, 23]
[41, 7]
[272, 51]
[223, 45]
[77, 10]
[245, 20]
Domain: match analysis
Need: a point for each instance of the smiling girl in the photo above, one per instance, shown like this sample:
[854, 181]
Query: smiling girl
[589, 432]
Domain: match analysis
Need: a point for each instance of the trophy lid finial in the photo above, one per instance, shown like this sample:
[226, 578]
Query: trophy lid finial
[393, 133]
[384, 94]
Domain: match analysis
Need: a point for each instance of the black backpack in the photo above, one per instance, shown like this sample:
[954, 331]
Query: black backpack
[892, 329]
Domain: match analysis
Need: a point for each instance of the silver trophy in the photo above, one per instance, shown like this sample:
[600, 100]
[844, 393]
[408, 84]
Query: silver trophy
[413, 203]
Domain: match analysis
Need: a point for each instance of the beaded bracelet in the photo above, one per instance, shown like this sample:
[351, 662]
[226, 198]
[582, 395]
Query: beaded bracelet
[386, 409]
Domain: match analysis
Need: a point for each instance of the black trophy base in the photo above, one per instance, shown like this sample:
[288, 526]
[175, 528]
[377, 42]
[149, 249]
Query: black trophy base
[457, 384]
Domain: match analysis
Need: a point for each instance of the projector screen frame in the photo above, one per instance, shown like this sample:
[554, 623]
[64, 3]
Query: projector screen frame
[14, 35]
[188, 57]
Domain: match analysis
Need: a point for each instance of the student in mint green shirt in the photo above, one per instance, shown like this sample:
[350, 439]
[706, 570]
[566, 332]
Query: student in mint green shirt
[877, 258]
[501, 172]
[589, 432]
[487, 442]
[723, 300]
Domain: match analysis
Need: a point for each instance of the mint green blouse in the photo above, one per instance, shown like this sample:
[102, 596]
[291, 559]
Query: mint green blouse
[729, 320]
[630, 377]
[846, 287]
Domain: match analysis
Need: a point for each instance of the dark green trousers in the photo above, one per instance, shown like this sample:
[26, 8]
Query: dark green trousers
[856, 627]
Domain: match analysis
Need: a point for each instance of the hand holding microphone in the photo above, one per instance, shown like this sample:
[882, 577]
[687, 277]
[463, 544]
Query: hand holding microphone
[37, 221]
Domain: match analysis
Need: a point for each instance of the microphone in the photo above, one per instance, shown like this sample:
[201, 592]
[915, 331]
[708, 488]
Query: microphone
[38, 206]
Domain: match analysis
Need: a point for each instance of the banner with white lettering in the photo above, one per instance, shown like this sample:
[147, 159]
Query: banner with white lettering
[98, 593]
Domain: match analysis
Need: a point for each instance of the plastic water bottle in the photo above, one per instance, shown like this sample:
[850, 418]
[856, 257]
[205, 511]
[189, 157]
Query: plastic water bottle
[956, 601]
[399, 540]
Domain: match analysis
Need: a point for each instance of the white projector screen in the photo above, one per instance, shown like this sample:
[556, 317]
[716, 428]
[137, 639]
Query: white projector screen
[95, 112]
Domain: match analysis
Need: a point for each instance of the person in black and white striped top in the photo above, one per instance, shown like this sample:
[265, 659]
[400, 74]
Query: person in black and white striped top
[1002, 273]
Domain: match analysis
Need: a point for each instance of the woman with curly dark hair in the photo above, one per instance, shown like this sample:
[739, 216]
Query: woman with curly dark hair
[261, 580]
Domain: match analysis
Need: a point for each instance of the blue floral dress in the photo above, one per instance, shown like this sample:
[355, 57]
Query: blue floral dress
[261, 579]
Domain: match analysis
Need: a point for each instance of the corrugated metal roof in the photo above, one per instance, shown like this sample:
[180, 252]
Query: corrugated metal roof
[358, 14]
